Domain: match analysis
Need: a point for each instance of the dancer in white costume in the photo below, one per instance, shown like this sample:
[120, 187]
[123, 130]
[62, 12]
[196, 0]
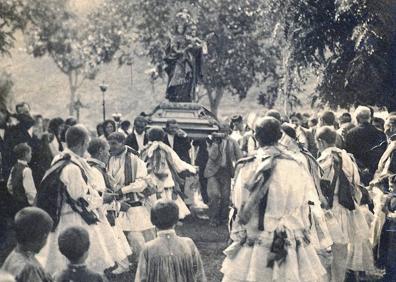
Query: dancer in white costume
[352, 249]
[320, 235]
[131, 181]
[76, 179]
[270, 231]
[115, 239]
[164, 166]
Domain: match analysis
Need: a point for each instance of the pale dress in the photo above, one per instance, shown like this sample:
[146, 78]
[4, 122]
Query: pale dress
[99, 257]
[287, 210]
[351, 226]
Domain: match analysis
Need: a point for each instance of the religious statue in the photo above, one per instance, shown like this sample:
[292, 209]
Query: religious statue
[183, 60]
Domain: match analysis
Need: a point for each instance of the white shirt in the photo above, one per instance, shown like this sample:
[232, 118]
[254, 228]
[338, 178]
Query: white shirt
[349, 167]
[54, 147]
[30, 131]
[75, 184]
[116, 171]
[139, 140]
[122, 131]
[171, 139]
[237, 136]
[97, 177]
[28, 184]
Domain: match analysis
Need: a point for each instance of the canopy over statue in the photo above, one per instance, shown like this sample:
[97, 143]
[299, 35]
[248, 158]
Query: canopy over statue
[183, 59]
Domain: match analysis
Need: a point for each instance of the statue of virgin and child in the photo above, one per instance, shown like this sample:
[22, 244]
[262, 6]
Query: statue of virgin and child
[183, 59]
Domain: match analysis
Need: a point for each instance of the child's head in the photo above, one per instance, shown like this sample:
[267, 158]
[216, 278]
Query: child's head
[23, 152]
[32, 226]
[74, 244]
[164, 214]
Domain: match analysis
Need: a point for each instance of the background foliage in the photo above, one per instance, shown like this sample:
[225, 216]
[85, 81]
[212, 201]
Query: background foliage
[273, 47]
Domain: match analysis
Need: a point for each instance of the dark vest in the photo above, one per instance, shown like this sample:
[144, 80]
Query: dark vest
[18, 190]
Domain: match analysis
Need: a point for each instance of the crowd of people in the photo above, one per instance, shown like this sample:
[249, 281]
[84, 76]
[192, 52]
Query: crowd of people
[305, 198]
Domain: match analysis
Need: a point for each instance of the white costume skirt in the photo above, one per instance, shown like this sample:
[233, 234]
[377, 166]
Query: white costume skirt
[136, 219]
[99, 256]
[249, 263]
[356, 233]
[119, 234]
[320, 234]
[183, 209]
[116, 242]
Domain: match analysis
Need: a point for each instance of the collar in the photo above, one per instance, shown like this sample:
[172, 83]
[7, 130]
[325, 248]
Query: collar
[137, 134]
[71, 153]
[76, 266]
[166, 233]
[96, 161]
[364, 124]
[22, 162]
[120, 153]
[28, 254]
[328, 151]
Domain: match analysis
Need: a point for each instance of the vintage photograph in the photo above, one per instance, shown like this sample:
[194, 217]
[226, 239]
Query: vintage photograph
[197, 140]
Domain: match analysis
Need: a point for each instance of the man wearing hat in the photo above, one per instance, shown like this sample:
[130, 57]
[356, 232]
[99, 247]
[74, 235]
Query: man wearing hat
[223, 153]
[237, 127]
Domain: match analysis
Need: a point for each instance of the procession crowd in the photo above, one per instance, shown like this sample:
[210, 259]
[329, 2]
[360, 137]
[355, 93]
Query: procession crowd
[305, 198]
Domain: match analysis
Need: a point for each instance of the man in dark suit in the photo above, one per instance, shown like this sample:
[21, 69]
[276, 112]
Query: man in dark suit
[138, 138]
[223, 152]
[177, 139]
[366, 143]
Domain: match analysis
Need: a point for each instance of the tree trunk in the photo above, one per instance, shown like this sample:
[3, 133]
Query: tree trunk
[286, 82]
[72, 94]
[215, 99]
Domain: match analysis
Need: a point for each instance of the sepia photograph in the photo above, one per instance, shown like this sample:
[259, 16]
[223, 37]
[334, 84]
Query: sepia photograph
[197, 140]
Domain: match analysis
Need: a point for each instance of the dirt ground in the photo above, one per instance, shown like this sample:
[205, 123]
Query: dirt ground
[210, 241]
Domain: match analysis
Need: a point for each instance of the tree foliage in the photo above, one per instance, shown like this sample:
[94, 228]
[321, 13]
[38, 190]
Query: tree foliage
[78, 46]
[12, 17]
[236, 59]
[6, 85]
[347, 43]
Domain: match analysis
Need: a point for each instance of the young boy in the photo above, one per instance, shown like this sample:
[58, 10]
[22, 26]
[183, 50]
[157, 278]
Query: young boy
[169, 257]
[74, 245]
[32, 226]
[20, 183]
